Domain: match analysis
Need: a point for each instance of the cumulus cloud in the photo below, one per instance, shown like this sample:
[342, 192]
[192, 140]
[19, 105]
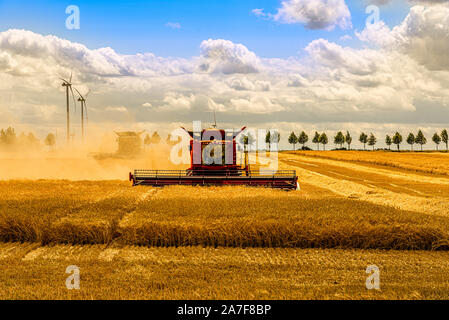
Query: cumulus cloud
[244, 84]
[357, 62]
[177, 101]
[7, 63]
[298, 80]
[223, 56]
[315, 14]
[101, 62]
[423, 35]
[213, 106]
[256, 104]
[377, 33]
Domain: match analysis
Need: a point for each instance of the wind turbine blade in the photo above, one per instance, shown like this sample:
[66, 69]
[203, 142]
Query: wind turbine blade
[85, 108]
[70, 77]
[73, 96]
[78, 93]
[88, 91]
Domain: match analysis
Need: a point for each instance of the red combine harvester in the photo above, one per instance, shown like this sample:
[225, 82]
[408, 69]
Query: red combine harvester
[214, 163]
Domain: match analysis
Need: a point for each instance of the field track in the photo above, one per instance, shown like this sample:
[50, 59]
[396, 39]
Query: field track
[405, 190]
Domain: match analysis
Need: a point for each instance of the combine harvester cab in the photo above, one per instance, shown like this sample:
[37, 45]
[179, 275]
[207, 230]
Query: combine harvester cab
[213, 160]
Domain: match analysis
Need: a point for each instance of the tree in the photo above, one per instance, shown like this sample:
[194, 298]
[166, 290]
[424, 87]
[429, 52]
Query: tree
[244, 140]
[170, 140]
[444, 137]
[324, 140]
[411, 140]
[22, 139]
[372, 140]
[275, 138]
[303, 139]
[420, 139]
[50, 140]
[397, 139]
[2, 136]
[437, 139]
[247, 140]
[155, 138]
[363, 139]
[268, 140]
[32, 140]
[293, 139]
[316, 139]
[388, 141]
[348, 140]
[147, 140]
[10, 136]
[251, 140]
[339, 139]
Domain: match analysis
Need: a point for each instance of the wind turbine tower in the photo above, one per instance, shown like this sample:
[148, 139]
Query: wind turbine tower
[82, 99]
[68, 86]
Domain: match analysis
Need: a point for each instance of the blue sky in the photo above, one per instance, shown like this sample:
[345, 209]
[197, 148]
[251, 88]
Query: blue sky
[140, 26]
[383, 79]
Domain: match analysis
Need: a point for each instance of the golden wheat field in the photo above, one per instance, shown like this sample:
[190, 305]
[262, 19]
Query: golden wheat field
[234, 242]
[427, 162]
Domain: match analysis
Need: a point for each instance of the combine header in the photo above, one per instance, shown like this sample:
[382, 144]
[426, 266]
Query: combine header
[214, 163]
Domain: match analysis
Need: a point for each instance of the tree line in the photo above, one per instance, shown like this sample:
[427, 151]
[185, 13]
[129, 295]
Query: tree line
[9, 140]
[341, 139]
[155, 138]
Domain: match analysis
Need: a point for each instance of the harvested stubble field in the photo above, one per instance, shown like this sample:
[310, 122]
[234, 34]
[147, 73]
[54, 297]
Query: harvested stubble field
[114, 213]
[33, 272]
[426, 162]
[176, 242]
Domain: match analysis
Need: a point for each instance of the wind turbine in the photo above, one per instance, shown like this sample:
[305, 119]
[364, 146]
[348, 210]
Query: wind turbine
[68, 85]
[82, 99]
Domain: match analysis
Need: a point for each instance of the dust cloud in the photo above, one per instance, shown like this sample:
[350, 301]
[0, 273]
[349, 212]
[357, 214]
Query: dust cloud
[96, 159]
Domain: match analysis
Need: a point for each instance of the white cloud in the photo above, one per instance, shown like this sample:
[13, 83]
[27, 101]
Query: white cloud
[244, 84]
[298, 80]
[315, 14]
[173, 25]
[7, 63]
[176, 101]
[147, 105]
[100, 62]
[424, 35]
[358, 62]
[223, 56]
[256, 104]
[377, 33]
[258, 12]
[213, 106]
